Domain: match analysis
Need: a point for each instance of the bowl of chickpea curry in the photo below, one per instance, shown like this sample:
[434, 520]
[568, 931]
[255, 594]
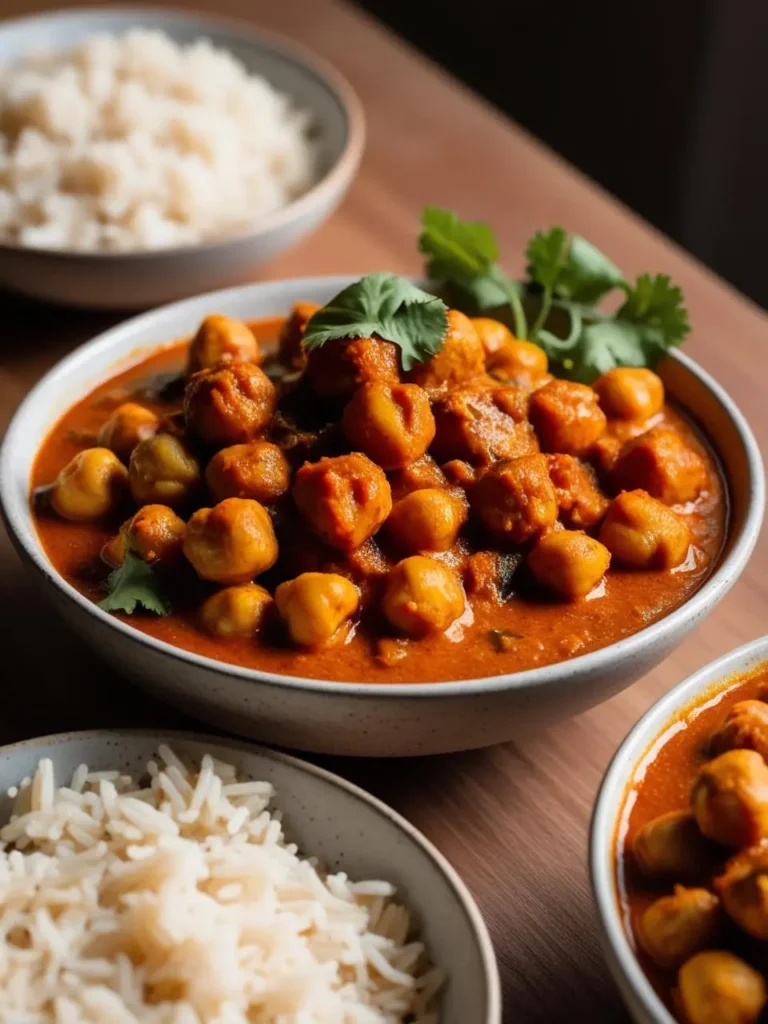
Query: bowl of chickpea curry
[679, 850]
[331, 496]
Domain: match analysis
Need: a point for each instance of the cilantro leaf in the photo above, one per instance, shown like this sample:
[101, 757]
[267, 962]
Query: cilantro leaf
[655, 306]
[570, 267]
[456, 249]
[547, 254]
[387, 306]
[652, 320]
[588, 275]
[135, 584]
[464, 253]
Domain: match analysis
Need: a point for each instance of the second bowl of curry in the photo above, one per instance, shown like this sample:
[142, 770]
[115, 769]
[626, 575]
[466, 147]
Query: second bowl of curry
[356, 559]
[679, 850]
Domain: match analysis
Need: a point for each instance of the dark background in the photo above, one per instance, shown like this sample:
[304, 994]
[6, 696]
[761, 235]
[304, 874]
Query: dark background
[664, 102]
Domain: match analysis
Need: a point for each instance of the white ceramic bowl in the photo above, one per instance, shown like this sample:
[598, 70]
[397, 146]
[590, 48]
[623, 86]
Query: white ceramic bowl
[346, 718]
[142, 279]
[625, 770]
[345, 827]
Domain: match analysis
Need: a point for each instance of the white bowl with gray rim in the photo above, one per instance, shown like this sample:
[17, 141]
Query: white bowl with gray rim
[363, 719]
[137, 280]
[345, 827]
[608, 820]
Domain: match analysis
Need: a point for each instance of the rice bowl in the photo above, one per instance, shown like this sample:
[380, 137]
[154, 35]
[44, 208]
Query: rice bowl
[114, 279]
[189, 905]
[133, 141]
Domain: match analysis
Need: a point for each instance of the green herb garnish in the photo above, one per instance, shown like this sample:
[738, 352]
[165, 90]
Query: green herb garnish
[135, 585]
[567, 277]
[389, 307]
[464, 253]
[502, 640]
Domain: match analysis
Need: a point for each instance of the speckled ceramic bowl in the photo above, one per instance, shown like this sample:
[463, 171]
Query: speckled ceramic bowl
[342, 825]
[624, 772]
[142, 279]
[363, 719]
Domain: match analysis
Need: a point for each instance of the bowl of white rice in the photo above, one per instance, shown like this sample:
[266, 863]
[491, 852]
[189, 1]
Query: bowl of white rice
[147, 155]
[180, 879]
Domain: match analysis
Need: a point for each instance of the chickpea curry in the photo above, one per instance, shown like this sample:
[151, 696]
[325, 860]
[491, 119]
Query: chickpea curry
[693, 859]
[351, 508]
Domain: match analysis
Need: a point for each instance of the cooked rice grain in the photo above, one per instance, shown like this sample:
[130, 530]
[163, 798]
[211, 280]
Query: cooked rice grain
[182, 903]
[135, 142]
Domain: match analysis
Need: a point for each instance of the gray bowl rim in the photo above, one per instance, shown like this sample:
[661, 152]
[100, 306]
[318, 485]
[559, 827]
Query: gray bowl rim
[467, 901]
[714, 588]
[341, 171]
[622, 959]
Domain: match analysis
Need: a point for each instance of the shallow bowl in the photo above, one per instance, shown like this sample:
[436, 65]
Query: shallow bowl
[142, 279]
[345, 827]
[363, 719]
[624, 772]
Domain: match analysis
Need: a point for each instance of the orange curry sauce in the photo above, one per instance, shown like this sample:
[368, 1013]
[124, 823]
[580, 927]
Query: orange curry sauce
[666, 783]
[549, 630]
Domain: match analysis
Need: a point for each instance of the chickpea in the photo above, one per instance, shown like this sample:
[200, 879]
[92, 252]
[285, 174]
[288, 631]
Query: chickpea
[229, 404]
[232, 542]
[642, 533]
[730, 798]
[424, 472]
[221, 339]
[716, 987]
[291, 341]
[745, 727]
[661, 463]
[235, 611]
[422, 596]
[515, 499]
[492, 333]
[155, 533]
[521, 362]
[671, 846]
[344, 499]
[482, 424]
[630, 393]
[338, 368]
[461, 358]
[128, 424]
[566, 417]
[675, 927]
[744, 890]
[581, 503]
[315, 605]
[162, 470]
[569, 563]
[257, 470]
[91, 484]
[391, 423]
[426, 520]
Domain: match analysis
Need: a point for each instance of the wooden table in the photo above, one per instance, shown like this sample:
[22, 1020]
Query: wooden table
[512, 819]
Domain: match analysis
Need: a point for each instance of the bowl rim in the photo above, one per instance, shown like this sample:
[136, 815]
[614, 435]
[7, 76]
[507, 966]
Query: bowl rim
[477, 925]
[713, 589]
[341, 171]
[715, 676]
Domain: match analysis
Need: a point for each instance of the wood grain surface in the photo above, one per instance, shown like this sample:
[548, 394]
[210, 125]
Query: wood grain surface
[512, 819]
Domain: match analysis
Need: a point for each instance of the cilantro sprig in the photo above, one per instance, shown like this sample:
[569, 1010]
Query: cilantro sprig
[465, 253]
[135, 585]
[389, 307]
[566, 280]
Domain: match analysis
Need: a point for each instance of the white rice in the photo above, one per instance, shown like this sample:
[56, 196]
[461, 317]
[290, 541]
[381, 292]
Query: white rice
[135, 142]
[182, 903]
